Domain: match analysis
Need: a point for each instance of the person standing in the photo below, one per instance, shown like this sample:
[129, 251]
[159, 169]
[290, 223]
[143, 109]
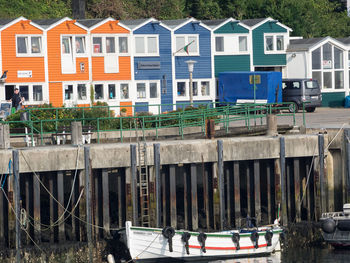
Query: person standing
[16, 100]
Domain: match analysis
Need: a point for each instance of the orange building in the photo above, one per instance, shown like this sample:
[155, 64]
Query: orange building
[110, 71]
[67, 62]
[23, 58]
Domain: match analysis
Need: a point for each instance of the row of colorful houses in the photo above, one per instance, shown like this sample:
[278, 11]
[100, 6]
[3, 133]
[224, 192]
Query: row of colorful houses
[143, 62]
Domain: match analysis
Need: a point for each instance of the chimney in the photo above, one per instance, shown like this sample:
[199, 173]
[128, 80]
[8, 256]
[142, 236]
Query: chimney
[78, 8]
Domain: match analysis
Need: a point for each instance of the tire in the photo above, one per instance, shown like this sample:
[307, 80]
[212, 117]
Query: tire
[293, 107]
[311, 109]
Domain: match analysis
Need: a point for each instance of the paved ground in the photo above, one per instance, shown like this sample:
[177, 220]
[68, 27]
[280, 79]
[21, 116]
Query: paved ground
[322, 117]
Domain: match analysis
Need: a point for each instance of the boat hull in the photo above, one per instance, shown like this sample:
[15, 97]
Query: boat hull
[149, 244]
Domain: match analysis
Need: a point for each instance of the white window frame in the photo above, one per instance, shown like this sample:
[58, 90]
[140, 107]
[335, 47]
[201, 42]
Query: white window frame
[75, 101]
[247, 37]
[148, 93]
[85, 46]
[187, 91]
[104, 45]
[223, 39]
[274, 39]
[182, 53]
[31, 100]
[231, 44]
[29, 47]
[146, 54]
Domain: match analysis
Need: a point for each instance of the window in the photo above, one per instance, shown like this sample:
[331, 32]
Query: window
[327, 56]
[110, 44]
[219, 44]
[317, 75]
[316, 59]
[327, 80]
[181, 89]
[338, 58]
[195, 88]
[66, 44]
[269, 43]
[28, 45]
[82, 92]
[243, 44]
[146, 45]
[339, 79]
[99, 91]
[124, 91]
[205, 88]
[123, 45]
[279, 43]
[153, 90]
[24, 90]
[68, 92]
[111, 91]
[97, 44]
[37, 93]
[80, 45]
[189, 41]
[141, 90]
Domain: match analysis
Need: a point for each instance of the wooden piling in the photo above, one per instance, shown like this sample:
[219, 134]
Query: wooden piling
[221, 183]
[61, 215]
[249, 207]
[228, 194]
[172, 182]
[74, 200]
[120, 202]
[53, 204]
[206, 195]
[17, 193]
[28, 205]
[289, 195]
[128, 196]
[88, 172]
[37, 216]
[296, 170]
[308, 192]
[257, 196]
[322, 175]
[268, 191]
[164, 198]
[283, 180]
[156, 156]
[186, 187]
[82, 207]
[105, 201]
[96, 205]
[194, 200]
[237, 187]
[135, 212]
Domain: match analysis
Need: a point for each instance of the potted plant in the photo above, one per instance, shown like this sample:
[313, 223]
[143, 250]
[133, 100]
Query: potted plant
[123, 112]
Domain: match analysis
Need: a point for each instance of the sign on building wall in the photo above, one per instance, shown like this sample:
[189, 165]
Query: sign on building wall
[148, 65]
[24, 74]
[327, 64]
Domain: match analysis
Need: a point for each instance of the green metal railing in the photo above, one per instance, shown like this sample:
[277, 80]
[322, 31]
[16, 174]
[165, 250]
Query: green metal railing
[43, 121]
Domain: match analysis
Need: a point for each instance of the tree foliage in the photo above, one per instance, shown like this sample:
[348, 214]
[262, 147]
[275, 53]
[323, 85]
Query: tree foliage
[307, 18]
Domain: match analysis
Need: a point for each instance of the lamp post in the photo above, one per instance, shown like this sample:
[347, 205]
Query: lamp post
[190, 64]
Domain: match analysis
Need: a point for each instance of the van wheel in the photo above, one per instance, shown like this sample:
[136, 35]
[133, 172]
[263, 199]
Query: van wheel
[311, 109]
[293, 107]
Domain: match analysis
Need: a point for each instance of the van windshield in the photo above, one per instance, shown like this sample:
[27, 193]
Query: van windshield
[311, 84]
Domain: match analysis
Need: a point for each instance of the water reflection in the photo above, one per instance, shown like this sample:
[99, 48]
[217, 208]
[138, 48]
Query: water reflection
[324, 255]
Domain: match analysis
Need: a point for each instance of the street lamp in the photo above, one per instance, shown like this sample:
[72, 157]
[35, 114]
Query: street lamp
[190, 64]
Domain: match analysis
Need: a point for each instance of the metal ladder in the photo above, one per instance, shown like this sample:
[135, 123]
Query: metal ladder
[143, 181]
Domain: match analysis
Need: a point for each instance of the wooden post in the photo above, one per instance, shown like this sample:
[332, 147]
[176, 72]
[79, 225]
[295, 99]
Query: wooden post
[96, 205]
[296, 165]
[228, 195]
[82, 207]
[221, 183]
[75, 196]
[206, 195]
[53, 204]
[135, 204]
[288, 191]
[249, 207]
[120, 204]
[268, 188]
[194, 199]
[88, 199]
[237, 195]
[172, 181]
[186, 187]
[164, 198]
[77, 133]
[4, 136]
[257, 191]
[60, 193]
[15, 158]
[283, 180]
[347, 153]
[105, 206]
[308, 193]
[37, 216]
[128, 198]
[322, 177]
[156, 156]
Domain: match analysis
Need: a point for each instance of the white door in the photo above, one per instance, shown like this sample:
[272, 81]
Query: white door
[67, 58]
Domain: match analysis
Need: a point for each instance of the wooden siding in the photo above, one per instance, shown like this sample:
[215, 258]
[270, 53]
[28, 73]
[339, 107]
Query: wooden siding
[56, 94]
[128, 109]
[202, 69]
[54, 53]
[12, 63]
[98, 69]
[141, 107]
[230, 28]
[333, 99]
[165, 56]
[259, 57]
[231, 63]
[124, 63]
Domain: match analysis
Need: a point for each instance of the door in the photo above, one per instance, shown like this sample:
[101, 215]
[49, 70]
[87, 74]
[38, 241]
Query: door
[9, 89]
[67, 59]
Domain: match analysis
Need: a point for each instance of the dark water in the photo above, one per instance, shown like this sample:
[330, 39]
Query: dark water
[309, 255]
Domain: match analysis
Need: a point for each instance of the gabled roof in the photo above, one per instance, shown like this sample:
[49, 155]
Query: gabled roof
[132, 24]
[309, 43]
[7, 22]
[47, 24]
[345, 41]
[254, 23]
[216, 24]
[90, 22]
[175, 22]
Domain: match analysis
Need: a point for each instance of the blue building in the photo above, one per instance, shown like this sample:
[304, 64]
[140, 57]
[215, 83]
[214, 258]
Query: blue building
[191, 40]
[151, 67]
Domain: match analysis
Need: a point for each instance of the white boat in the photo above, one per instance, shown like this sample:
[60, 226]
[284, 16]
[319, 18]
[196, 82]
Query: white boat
[155, 244]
